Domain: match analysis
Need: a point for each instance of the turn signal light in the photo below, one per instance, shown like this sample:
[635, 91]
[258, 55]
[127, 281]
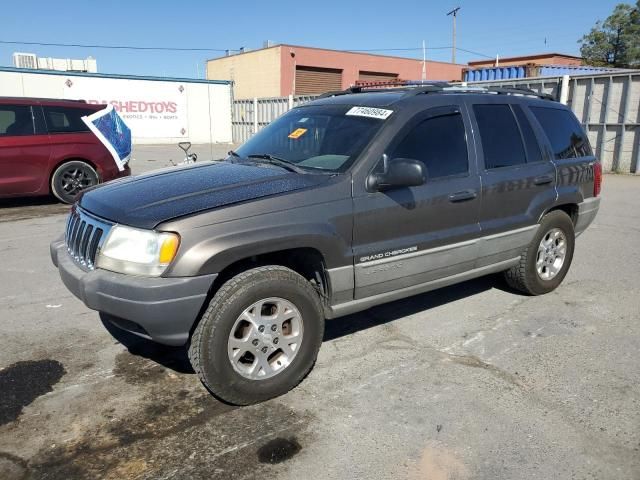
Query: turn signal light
[168, 249]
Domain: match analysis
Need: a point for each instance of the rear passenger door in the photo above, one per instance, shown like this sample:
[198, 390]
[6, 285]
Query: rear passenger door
[24, 150]
[518, 178]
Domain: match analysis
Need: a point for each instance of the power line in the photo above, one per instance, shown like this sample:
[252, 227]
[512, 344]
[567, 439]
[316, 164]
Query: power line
[116, 47]
[395, 49]
[475, 53]
[181, 49]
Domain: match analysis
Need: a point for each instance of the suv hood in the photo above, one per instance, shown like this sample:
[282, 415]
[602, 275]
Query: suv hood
[147, 200]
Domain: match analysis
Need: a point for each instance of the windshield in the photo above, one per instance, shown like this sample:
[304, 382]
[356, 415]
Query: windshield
[321, 137]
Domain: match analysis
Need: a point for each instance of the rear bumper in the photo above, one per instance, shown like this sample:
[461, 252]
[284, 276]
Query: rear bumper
[587, 211]
[160, 309]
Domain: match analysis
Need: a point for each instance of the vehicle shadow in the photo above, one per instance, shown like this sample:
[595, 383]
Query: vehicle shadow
[177, 359]
[174, 358]
[389, 312]
[21, 208]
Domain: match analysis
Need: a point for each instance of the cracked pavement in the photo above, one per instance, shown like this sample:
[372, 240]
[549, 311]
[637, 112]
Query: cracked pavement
[468, 382]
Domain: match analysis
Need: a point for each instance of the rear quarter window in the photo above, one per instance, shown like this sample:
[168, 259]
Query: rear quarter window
[66, 119]
[561, 127]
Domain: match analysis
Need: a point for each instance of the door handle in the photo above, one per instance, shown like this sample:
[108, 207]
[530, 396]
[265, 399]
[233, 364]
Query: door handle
[543, 179]
[463, 196]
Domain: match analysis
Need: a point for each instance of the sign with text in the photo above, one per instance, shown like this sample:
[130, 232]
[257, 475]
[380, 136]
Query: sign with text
[151, 109]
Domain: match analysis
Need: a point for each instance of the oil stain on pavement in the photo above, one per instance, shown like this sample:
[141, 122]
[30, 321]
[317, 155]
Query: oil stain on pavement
[23, 382]
[278, 450]
[175, 430]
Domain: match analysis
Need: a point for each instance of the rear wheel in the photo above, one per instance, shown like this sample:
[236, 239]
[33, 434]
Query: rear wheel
[71, 178]
[259, 337]
[546, 261]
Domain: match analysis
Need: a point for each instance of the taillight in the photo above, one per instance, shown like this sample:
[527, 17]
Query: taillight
[597, 178]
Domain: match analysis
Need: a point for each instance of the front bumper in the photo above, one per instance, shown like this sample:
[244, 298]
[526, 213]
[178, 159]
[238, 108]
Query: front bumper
[161, 309]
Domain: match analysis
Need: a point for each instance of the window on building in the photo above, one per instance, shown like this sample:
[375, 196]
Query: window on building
[563, 131]
[500, 136]
[66, 120]
[15, 120]
[438, 142]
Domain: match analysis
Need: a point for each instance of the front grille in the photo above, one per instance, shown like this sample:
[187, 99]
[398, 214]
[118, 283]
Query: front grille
[84, 237]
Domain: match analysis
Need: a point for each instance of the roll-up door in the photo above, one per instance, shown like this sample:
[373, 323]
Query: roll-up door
[376, 76]
[316, 80]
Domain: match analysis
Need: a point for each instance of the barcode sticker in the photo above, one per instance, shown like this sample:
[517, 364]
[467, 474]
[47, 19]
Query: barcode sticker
[370, 112]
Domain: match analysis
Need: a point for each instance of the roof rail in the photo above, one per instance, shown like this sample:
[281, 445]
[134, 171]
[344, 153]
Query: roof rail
[412, 89]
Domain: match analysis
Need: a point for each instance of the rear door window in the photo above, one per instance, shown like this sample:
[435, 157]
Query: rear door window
[534, 154]
[440, 143]
[65, 120]
[16, 120]
[563, 131]
[501, 139]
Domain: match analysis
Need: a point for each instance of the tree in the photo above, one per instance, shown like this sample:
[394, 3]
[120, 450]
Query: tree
[616, 41]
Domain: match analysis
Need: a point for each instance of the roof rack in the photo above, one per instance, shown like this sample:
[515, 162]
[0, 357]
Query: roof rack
[394, 86]
[413, 89]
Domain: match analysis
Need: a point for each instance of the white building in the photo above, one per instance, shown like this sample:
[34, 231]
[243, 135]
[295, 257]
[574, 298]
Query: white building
[32, 61]
[157, 109]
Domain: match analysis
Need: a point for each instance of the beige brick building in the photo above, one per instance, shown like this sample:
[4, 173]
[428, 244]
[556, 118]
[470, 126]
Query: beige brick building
[283, 70]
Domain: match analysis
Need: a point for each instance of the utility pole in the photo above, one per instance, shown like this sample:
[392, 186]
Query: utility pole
[454, 14]
[424, 62]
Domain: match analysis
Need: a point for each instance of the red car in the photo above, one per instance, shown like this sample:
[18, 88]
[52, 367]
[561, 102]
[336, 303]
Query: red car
[46, 148]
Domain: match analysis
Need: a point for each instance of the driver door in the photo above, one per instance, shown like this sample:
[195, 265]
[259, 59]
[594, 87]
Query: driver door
[411, 235]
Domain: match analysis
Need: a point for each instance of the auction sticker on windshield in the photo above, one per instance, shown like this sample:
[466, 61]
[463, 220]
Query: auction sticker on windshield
[297, 133]
[370, 112]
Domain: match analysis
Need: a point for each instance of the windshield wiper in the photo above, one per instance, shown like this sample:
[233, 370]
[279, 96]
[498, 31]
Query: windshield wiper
[281, 162]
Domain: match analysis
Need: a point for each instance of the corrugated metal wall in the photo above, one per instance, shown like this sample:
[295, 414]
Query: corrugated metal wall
[607, 105]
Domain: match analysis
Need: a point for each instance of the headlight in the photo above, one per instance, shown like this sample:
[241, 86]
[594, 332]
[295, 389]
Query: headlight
[137, 252]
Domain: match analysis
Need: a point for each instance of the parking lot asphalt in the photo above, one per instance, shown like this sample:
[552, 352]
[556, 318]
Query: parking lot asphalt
[468, 382]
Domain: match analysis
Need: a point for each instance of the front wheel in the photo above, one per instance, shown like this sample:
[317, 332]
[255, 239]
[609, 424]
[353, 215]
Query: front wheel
[71, 178]
[546, 261]
[259, 337]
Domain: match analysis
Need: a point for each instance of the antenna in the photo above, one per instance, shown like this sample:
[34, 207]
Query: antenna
[454, 14]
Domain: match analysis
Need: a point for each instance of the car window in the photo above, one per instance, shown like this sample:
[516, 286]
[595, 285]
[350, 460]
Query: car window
[323, 137]
[500, 136]
[15, 120]
[66, 120]
[534, 154]
[438, 142]
[563, 131]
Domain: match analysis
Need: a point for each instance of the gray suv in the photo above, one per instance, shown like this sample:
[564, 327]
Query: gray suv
[355, 199]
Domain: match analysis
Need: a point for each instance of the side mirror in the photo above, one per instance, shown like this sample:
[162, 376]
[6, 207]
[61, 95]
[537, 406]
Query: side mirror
[400, 172]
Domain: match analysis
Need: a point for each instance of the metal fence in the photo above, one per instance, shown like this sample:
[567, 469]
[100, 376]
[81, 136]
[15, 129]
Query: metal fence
[608, 105]
[251, 115]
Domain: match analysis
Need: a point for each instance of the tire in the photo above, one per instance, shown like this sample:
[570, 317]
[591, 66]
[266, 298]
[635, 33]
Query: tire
[230, 374]
[70, 178]
[556, 226]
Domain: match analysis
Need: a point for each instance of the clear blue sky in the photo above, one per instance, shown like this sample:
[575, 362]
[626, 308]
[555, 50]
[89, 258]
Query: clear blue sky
[504, 27]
